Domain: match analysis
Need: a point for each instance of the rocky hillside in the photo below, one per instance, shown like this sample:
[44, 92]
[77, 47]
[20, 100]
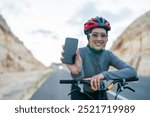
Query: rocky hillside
[13, 55]
[133, 45]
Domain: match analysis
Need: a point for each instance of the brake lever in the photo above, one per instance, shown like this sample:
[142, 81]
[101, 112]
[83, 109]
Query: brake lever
[129, 88]
[117, 92]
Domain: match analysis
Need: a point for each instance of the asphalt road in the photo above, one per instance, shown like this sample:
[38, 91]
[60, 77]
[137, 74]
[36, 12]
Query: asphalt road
[52, 90]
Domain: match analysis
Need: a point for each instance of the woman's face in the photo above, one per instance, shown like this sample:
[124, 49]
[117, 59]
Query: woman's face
[98, 38]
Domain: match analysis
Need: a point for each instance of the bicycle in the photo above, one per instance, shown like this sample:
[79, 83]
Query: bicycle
[121, 85]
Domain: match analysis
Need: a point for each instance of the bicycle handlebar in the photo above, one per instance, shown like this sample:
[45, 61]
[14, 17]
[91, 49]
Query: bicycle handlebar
[88, 81]
[121, 83]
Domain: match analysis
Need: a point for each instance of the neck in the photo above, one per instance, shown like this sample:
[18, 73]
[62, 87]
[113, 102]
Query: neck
[94, 50]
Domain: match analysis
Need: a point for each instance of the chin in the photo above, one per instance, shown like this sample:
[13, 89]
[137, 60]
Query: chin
[98, 48]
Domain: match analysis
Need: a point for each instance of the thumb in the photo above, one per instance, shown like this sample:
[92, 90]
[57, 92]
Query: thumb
[78, 54]
[78, 58]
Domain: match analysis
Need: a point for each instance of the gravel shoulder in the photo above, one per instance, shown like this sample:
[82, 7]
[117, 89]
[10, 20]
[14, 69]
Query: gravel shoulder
[21, 85]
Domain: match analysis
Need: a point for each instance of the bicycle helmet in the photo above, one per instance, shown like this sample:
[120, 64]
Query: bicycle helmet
[96, 22]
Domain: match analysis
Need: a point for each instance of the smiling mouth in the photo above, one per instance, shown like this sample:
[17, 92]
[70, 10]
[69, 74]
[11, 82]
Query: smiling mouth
[98, 43]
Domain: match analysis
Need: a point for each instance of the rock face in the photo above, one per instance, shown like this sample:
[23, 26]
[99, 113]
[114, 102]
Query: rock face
[133, 45]
[13, 55]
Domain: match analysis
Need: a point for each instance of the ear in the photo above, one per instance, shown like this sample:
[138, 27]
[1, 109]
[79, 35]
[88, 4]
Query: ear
[106, 40]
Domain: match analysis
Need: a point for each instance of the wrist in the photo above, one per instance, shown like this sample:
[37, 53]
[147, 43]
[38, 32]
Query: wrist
[75, 73]
[78, 71]
[102, 77]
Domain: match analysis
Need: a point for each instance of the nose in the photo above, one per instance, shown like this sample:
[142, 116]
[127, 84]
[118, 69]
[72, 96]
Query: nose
[99, 38]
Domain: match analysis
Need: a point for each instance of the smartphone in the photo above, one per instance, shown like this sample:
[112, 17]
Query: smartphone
[70, 48]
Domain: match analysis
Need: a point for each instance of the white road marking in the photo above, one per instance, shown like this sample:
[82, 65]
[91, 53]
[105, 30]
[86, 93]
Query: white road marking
[119, 96]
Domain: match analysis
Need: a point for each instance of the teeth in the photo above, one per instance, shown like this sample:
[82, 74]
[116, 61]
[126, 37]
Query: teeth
[98, 44]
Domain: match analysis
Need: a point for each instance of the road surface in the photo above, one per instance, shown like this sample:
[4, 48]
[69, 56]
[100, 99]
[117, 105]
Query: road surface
[52, 90]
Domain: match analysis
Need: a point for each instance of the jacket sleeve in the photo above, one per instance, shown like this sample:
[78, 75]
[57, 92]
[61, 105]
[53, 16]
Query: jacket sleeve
[124, 71]
[78, 76]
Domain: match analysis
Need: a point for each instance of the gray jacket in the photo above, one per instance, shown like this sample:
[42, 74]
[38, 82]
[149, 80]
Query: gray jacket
[93, 64]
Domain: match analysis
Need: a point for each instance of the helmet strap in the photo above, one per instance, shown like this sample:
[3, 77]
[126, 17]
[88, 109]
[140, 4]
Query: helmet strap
[88, 36]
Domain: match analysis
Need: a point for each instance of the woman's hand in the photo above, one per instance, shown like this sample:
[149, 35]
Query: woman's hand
[75, 68]
[95, 81]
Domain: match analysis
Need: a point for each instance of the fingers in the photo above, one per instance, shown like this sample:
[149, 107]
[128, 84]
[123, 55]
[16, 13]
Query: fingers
[62, 53]
[87, 78]
[92, 83]
[61, 58]
[78, 54]
[63, 47]
[98, 83]
[78, 57]
[95, 83]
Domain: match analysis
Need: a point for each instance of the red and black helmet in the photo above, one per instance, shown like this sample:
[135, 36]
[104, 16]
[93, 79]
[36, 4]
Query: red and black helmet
[96, 22]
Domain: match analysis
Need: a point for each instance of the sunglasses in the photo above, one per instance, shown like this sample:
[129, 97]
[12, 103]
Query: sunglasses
[101, 35]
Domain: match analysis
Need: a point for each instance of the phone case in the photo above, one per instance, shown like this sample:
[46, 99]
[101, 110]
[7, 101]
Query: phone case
[70, 48]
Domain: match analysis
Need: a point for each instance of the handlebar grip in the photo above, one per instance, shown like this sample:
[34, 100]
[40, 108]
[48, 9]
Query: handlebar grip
[74, 82]
[68, 82]
[132, 79]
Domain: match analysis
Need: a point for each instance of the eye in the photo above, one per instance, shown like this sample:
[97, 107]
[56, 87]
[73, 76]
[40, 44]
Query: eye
[104, 35]
[95, 35]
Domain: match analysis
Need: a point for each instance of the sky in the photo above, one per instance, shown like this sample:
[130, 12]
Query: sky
[43, 25]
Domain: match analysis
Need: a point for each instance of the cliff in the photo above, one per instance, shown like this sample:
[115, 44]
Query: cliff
[20, 73]
[133, 45]
[14, 56]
